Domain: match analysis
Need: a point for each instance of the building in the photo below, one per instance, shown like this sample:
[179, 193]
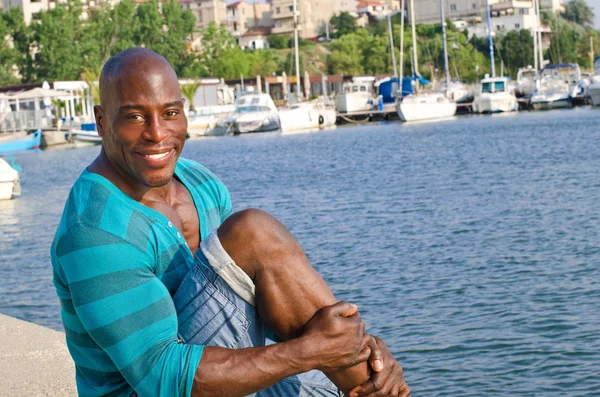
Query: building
[206, 11]
[313, 17]
[255, 38]
[31, 8]
[473, 11]
[243, 16]
[374, 8]
[345, 6]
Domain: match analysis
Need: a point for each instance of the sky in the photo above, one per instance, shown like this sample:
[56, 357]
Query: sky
[595, 4]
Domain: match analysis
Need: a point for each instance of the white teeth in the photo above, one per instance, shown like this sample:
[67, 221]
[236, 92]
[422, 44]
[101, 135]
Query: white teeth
[158, 156]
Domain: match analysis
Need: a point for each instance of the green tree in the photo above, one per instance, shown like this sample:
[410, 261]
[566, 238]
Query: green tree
[578, 11]
[188, 91]
[279, 41]
[515, 48]
[9, 57]
[347, 55]
[21, 40]
[126, 26]
[56, 39]
[343, 24]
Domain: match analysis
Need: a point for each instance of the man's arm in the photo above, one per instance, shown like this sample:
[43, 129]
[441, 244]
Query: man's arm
[333, 339]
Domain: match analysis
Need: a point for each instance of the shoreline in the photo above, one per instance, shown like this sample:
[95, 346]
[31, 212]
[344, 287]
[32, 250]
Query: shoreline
[34, 360]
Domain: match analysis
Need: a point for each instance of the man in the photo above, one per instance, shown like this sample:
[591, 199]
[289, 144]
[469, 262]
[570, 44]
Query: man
[165, 293]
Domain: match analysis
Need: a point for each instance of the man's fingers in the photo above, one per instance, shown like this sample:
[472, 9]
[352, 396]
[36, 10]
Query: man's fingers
[344, 309]
[376, 358]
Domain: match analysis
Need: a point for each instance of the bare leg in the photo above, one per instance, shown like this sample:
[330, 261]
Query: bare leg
[288, 290]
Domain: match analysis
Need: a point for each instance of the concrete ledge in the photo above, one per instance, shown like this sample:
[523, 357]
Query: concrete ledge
[34, 360]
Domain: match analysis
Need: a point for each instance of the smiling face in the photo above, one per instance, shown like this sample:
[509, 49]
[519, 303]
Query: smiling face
[141, 121]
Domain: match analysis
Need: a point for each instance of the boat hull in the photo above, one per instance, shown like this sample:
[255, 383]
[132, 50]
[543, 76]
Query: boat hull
[20, 145]
[593, 92]
[490, 104]
[426, 107]
[562, 103]
[354, 102]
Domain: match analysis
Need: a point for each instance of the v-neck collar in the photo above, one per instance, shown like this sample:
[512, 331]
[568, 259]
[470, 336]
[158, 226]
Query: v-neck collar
[86, 174]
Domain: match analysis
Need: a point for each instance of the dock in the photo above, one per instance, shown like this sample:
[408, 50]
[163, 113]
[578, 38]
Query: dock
[34, 360]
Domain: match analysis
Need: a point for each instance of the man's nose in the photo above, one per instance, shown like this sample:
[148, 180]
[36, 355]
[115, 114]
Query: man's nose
[155, 130]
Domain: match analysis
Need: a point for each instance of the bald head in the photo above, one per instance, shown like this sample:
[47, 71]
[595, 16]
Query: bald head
[129, 64]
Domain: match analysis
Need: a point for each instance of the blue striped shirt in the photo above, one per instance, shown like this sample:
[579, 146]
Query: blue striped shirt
[117, 264]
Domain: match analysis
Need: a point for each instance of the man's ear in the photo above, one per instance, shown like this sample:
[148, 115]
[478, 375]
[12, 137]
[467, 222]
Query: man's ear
[100, 120]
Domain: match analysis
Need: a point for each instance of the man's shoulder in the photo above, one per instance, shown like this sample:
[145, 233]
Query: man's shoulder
[197, 176]
[95, 204]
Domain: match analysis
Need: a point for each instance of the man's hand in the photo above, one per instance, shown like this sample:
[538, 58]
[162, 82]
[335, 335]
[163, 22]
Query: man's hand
[387, 378]
[334, 337]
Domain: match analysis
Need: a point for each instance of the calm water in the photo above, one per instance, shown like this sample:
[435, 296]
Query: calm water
[471, 245]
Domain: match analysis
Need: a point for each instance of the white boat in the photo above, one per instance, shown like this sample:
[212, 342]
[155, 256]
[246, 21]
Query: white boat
[526, 80]
[593, 90]
[10, 185]
[494, 96]
[559, 85]
[423, 107]
[552, 94]
[85, 138]
[426, 106]
[205, 121]
[254, 112]
[358, 95]
[307, 116]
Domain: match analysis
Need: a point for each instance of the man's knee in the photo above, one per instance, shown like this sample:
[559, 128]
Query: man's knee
[251, 235]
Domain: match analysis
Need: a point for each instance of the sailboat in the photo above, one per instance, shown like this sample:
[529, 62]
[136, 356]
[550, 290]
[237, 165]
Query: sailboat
[495, 95]
[425, 106]
[306, 115]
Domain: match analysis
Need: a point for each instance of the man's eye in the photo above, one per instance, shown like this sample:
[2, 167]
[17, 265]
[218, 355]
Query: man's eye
[171, 113]
[135, 117]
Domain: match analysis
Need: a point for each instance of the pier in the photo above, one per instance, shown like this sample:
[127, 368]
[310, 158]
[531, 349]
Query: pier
[34, 360]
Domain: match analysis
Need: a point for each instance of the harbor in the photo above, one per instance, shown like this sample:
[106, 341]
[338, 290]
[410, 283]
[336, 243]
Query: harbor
[467, 243]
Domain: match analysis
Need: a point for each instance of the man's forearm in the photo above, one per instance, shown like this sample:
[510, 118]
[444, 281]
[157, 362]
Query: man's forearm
[239, 372]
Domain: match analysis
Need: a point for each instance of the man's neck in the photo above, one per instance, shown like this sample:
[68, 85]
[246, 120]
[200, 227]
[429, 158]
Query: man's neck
[128, 185]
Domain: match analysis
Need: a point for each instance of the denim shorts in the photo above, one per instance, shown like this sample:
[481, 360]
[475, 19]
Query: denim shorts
[215, 307]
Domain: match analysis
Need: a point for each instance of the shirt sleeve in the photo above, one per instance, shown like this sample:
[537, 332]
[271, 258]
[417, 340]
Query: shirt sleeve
[126, 310]
[225, 206]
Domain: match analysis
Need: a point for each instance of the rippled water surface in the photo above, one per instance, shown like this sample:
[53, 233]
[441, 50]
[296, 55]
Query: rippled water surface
[470, 245]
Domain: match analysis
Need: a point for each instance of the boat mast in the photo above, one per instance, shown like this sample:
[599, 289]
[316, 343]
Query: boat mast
[296, 52]
[402, 6]
[389, 20]
[414, 40]
[490, 40]
[446, 71]
[535, 42]
[539, 33]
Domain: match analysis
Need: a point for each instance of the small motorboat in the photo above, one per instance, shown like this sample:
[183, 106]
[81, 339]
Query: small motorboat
[21, 145]
[254, 112]
[10, 185]
[86, 136]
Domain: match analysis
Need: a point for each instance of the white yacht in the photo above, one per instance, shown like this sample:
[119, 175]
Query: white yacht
[526, 81]
[307, 116]
[358, 95]
[10, 185]
[593, 90]
[421, 107]
[204, 121]
[559, 85]
[495, 96]
[432, 105]
[254, 112]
